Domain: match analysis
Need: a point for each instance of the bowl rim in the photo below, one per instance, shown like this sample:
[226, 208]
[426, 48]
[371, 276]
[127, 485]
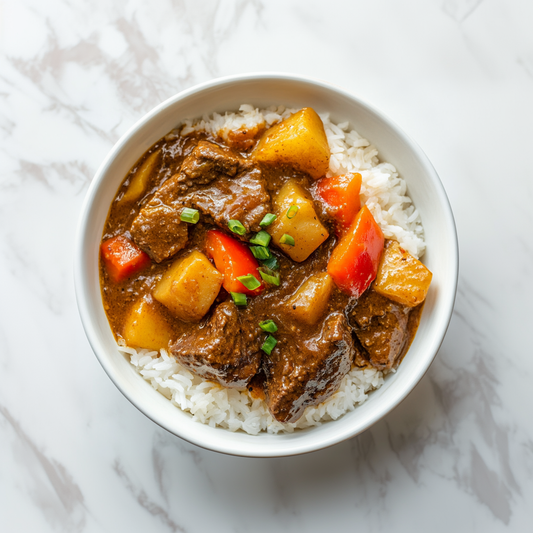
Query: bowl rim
[80, 268]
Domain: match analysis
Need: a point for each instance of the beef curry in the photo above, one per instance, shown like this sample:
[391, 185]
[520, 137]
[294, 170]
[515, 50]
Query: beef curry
[253, 269]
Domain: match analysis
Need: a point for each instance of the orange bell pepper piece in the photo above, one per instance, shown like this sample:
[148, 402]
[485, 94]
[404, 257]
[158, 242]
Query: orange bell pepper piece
[341, 195]
[122, 258]
[233, 259]
[353, 265]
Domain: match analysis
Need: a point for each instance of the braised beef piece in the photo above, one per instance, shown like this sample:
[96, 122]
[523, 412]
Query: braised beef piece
[243, 198]
[225, 349]
[303, 372]
[239, 193]
[381, 327]
[206, 163]
[158, 229]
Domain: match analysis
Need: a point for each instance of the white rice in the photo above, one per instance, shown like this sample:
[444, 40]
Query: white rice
[385, 194]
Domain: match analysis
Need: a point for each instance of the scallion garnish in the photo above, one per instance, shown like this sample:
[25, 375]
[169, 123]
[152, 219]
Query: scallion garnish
[238, 298]
[260, 252]
[236, 227]
[262, 238]
[286, 239]
[269, 275]
[191, 216]
[269, 326]
[250, 281]
[293, 209]
[269, 345]
[271, 263]
[267, 220]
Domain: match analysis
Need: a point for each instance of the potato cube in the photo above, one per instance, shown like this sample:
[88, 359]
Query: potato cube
[139, 182]
[304, 227]
[310, 301]
[146, 326]
[401, 277]
[299, 141]
[189, 287]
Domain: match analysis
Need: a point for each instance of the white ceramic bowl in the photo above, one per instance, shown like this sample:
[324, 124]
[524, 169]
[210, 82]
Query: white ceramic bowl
[394, 146]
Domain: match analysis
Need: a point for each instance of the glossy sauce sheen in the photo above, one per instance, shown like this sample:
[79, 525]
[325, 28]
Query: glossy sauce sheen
[296, 341]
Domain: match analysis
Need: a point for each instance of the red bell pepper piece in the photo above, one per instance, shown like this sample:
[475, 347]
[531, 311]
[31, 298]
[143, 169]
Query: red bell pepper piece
[233, 259]
[122, 258]
[341, 195]
[353, 265]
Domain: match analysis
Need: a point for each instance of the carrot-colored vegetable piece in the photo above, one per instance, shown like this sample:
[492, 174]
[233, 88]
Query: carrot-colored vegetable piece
[233, 259]
[122, 258]
[355, 260]
[341, 195]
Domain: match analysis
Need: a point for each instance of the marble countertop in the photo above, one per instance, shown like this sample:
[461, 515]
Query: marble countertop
[456, 455]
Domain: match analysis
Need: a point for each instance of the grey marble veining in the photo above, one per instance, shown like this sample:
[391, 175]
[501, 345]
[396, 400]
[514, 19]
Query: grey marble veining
[457, 454]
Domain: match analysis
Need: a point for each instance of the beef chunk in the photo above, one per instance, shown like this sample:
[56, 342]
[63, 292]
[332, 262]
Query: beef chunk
[206, 163]
[226, 349]
[243, 198]
[157, 229]
[381, 327]
[302, 372]
[224, 186]
[215, 181]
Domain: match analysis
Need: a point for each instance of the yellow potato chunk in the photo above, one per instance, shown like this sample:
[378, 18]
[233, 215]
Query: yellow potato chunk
[139, 182]
[304, 227]
[146, 326]
[189, 287]
[299, 141]
[401, 277]
[310, 301]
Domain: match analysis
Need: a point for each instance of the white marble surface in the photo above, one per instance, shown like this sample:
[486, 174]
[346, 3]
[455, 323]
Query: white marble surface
[457, 455]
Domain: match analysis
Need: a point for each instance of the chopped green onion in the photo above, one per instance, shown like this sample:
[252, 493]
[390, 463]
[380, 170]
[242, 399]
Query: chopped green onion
[269, 345]
[192, 216]
[260, 252]
[236, 227]
[287, 239]
[250, 282]
[262, 238]
[271, 263]
[269, 276]
[267, 220]
[238, 298]
[268, 326]
[293, 209]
